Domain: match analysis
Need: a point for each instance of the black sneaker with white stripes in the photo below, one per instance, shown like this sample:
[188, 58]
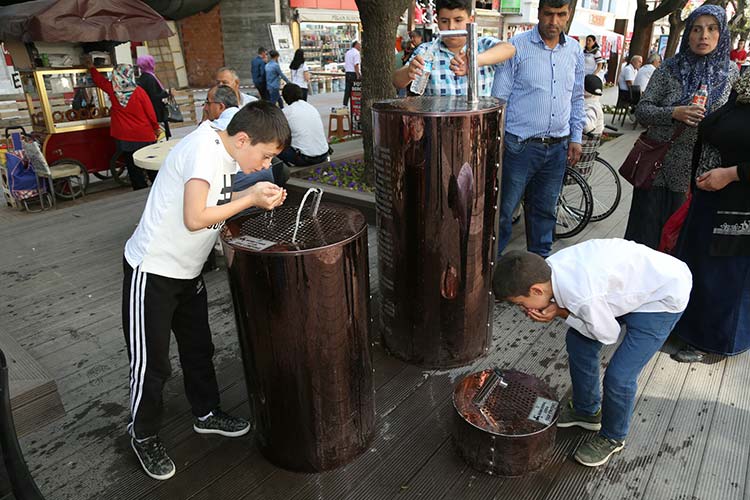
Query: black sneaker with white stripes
[153, 457]
[223, 424]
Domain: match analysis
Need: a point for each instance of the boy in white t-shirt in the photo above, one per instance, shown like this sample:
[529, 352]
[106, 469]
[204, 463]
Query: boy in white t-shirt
[163, 289]
[595, 286]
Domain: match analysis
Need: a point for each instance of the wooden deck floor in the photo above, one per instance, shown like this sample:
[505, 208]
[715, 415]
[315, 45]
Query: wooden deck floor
[60, 299]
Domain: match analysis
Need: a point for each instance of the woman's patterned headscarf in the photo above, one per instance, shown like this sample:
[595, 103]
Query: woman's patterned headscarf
[693, 70]
[123, 82]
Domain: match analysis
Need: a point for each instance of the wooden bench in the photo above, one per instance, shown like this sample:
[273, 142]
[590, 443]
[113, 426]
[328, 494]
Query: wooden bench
[33, 393]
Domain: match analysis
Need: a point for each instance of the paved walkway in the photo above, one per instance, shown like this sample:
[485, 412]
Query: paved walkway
[61, 273]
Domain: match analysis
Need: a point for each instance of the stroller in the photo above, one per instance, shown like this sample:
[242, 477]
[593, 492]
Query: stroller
[24, 184]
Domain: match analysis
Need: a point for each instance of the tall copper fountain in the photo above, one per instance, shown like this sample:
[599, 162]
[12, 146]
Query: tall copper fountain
[300, 287]
[437, 162]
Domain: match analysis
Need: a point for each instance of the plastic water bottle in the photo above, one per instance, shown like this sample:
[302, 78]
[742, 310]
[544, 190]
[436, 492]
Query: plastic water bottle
[700, 98]
[419, 85]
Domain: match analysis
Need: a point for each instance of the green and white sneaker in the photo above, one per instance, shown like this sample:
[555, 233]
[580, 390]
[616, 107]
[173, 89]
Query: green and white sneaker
[223, 424]
[597, 451]
[569, 417]
[153, 457]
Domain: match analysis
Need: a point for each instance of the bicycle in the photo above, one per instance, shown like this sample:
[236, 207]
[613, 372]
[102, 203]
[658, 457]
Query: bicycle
[601, 177]
[603, 184]
[574, 206]
[591, 191]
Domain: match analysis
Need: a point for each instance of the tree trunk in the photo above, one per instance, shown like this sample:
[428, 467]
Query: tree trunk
[644, 19]
[379, 22]
[676, 25]
[573, 4]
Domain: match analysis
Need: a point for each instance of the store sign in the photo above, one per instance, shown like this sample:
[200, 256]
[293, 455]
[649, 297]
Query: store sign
[597, 20]
[327, 16]
[355, 107]
[510, 6]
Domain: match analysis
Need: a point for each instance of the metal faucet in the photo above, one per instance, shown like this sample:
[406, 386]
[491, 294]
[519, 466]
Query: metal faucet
[470, 33]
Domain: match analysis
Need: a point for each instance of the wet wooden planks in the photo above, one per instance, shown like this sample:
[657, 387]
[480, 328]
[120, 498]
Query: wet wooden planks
[689, 437]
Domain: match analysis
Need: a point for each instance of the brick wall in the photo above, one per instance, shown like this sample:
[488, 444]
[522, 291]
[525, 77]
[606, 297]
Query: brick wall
[202, 46]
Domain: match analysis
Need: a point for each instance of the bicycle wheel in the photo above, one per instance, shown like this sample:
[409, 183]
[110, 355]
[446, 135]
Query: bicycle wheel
[118, 170]
[574, 206]
[605, 189]
[73, 186]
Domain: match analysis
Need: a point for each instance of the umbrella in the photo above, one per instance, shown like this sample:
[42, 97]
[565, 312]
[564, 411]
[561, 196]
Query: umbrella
[81, 21]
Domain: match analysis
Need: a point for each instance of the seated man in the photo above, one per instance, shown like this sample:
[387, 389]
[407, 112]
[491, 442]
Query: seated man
[228, 76]
[309, 143]
[220, 107]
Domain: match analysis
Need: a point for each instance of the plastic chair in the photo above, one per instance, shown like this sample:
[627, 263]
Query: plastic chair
[621, 108]
[635, 98]
[66, 178]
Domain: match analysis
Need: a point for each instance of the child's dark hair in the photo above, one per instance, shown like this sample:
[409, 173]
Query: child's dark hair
[467, 5]
[516, 272]
[263, 122]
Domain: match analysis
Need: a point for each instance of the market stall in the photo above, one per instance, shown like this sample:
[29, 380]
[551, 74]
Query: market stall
[69, 115]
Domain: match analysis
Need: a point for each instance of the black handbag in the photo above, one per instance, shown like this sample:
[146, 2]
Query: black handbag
[172, 110]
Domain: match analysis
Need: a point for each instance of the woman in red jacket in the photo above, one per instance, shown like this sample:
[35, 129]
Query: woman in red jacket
[133, 122]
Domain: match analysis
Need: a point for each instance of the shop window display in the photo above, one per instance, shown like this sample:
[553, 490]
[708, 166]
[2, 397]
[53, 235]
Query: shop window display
[326, 43]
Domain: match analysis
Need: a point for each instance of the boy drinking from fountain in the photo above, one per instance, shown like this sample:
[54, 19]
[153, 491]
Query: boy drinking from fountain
[163, 289]
[596, 286]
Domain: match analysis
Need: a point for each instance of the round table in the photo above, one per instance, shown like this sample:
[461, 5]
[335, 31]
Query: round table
[151, 157]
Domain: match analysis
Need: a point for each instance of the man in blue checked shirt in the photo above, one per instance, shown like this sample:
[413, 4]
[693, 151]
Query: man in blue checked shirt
[449, 68]
[543, 85]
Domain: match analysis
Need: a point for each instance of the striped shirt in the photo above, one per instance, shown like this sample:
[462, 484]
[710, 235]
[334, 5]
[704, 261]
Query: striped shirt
[444, 82]
[543, 88]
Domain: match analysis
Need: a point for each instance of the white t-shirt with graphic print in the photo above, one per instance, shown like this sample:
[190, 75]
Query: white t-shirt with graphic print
[162, 244]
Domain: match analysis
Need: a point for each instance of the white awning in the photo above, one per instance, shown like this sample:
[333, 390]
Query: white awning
[327, 16]
[581, 30]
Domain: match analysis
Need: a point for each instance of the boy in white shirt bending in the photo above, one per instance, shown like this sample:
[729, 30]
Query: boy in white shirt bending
[595, 286]
[163, 288]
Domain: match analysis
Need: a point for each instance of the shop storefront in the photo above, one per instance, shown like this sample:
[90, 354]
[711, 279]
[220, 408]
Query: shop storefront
[325, 35]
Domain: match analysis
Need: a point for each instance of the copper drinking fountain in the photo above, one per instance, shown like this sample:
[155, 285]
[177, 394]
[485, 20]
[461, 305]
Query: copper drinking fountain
[299, 278]
[437, 162]
[300, 286]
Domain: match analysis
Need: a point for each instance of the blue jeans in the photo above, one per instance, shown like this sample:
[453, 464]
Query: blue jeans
[645, 333]
[244, 181]
[275, 96]
[532, 171]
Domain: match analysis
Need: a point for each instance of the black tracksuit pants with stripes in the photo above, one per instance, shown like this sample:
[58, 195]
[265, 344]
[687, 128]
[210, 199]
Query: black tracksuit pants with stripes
[153, 306]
